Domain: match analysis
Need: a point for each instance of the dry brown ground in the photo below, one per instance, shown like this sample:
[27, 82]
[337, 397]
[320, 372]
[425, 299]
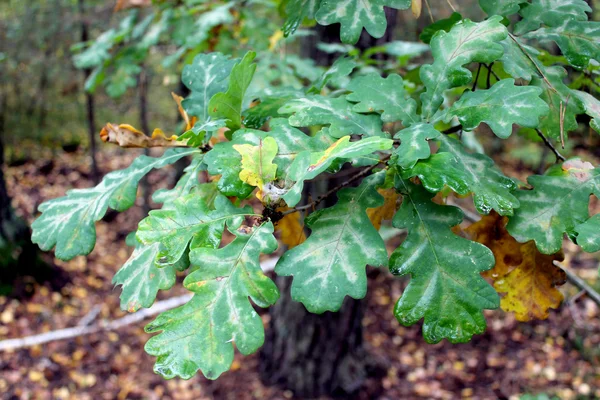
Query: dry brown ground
[559, 356]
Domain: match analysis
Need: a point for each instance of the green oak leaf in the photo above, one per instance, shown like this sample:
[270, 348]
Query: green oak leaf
[374, 93]
[500, 106]
[591, 105]
[228, 105]
[192, 222]
[201, 132]
[354, 15]
[578, 40]
[446, 288]
[141, 277]
[292, 141]
[68, 222]
[221, 14]
[330, 264]
[296, 11]
[501, 7]
[185, 184]
[466, 42]
[466, 173]
[199, 334]
[520, 60]
[341, 67]
[255, 117]
[206, 76]
[588, 236]
[414, 144]
[558, 204]
[335, 112]
[555, 95]
[307, 165]
[440, 25]
[551, 13]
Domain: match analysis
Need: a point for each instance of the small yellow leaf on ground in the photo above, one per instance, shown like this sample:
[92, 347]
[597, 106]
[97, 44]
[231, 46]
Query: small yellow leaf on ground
[527, 277]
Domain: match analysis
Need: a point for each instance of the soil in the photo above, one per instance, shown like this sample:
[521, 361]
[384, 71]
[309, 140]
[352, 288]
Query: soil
[559, 356]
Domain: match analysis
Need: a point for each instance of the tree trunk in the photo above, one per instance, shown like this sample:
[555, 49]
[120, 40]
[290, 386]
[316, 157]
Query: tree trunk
[18, 255]
[315, 355]
[145, 125]
[89, 98]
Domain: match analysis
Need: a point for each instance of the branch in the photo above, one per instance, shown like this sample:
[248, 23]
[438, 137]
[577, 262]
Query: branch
[337, 188]
[550, 146]
[580, 283]
[453, 129]
[533, 62]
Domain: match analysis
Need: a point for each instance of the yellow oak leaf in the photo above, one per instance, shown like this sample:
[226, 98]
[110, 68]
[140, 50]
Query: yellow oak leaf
[527, 277]
[416, 7]
[387, 210]
[257, 163]
[291, 230]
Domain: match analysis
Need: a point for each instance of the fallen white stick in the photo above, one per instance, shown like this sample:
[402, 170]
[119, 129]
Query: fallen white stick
[85, 328]
[68, 333]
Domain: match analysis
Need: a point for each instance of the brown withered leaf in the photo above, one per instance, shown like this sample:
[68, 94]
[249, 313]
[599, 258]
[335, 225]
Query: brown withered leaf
[189, 122]
[125, 4]
[291, 230]
[527, 277]
[126, 135]
[379, 214]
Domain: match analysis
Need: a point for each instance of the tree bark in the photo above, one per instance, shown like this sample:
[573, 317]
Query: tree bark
[18, 255]
[89, 99]
[145, 125]
[315, 355]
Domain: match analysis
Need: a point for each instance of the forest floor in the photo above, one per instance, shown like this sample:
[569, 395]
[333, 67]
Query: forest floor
[559, 356]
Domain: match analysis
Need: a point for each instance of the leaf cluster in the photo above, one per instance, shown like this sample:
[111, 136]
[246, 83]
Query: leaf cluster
[402, 142]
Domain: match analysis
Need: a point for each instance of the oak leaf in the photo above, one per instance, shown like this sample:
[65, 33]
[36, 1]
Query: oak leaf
[387, 210]
[526, 276]
[291, 230]
[126, 135]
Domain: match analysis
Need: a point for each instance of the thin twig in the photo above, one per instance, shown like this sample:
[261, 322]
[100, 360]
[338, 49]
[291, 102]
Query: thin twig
[429, 10]
[562, 114]
[451, 5]
[453, 129]
[319, 199]
[491, 71]
[533, 62]
[476, 78]
[559, 157]
[580, 283]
